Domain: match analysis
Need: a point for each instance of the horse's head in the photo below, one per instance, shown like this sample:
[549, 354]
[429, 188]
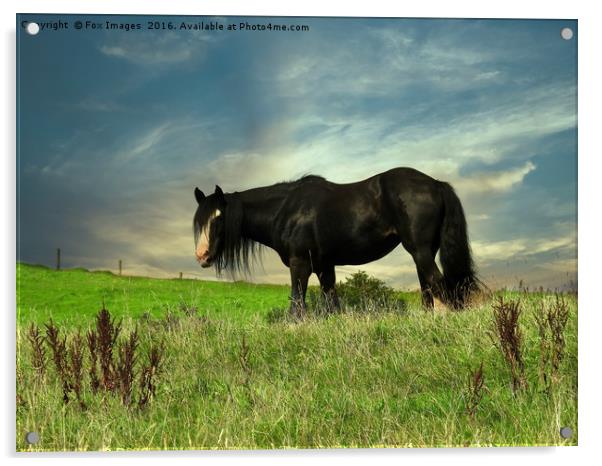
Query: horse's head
[209, 228]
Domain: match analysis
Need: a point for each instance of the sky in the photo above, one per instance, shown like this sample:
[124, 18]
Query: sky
[117, 127]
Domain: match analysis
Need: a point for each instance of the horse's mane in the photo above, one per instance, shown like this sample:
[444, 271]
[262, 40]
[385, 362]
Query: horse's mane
[303, 179]
[239, 254]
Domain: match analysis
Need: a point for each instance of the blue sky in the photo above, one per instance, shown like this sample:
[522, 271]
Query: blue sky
[117, 128]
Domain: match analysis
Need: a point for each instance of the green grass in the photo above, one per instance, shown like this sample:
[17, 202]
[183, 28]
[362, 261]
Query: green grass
[73, 297]
[348, 380]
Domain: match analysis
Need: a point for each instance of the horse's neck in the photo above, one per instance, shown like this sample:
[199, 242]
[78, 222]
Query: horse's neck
[260, 207]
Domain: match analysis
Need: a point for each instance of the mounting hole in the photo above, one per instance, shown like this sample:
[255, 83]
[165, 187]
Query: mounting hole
[566, 432]
[566, 33]
[32, 28]
[32, 437]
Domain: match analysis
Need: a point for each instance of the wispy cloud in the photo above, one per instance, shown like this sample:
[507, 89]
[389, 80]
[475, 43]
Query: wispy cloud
[144, 143]
[166, 48]
[504, 250]
[495, 181]
[347, 148]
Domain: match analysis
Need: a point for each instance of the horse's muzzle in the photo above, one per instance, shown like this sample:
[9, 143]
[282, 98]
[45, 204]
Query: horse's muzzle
[204, 260]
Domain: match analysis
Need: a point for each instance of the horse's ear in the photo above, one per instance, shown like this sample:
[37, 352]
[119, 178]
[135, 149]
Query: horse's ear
[198, 194]
[219, 193]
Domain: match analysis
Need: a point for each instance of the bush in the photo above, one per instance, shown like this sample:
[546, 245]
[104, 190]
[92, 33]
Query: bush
[365, 293]
[359, 292]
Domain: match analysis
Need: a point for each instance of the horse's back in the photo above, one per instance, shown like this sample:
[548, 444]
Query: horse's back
[393, 188]
[397, 188]
[408, 176]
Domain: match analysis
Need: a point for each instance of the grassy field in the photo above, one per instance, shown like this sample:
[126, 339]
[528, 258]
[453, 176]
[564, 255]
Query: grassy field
[237, 374]
[73, 297]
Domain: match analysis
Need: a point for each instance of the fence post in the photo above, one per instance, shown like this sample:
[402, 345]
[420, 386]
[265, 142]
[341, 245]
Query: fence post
[180, 275]
[58, 258]
[120, 266]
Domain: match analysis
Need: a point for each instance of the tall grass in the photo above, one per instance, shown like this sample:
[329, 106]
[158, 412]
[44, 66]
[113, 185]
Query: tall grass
[346, 380]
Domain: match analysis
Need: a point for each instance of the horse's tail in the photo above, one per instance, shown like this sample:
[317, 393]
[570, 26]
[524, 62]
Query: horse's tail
[456, 259]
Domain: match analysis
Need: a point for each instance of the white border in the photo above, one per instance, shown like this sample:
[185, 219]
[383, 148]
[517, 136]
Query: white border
[590, 380]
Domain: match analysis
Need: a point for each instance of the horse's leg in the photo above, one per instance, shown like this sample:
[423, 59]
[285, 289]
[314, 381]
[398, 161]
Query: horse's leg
[327, 279]
[419, 235]
[427, 294]
[300, 272]
[431, 279]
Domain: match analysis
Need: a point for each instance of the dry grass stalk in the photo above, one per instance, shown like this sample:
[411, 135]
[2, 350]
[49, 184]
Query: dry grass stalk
[106, 337]
[476, 381]
[244, 361]
[541, 321]
[92, 341]
[38, 353]
[58, 347]
[551, 324]
[509, 339]
[188, 310]
[558, 316]
[148, 375]
[76, 353]
[118, 360]
[125, 367]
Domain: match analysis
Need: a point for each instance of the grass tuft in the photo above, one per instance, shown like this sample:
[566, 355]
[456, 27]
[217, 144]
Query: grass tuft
[38, 352]
[509, 336]
[474, 391]
[148, 375]
[551, 321]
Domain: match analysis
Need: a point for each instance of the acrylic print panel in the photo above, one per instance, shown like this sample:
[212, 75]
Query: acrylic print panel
[389, 205]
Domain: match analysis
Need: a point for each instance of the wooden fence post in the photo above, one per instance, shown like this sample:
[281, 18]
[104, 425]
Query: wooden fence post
[120, 266]
[180, 275]
[58, 258]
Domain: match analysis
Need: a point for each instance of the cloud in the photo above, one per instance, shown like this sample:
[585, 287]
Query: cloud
[167, 48]
[506, 250]
[495, 181]
[156, 232]
[316, 132]
[402, 60]
[439, 134]
[347, 148]
[143, 144]
[561, 265]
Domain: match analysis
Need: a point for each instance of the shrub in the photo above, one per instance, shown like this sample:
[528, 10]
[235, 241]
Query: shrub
[363, 292]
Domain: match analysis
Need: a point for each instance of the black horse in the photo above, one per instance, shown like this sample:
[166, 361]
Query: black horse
[315, 225]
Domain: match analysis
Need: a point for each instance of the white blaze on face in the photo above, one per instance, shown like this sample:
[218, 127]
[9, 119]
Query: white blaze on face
[202, 247]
